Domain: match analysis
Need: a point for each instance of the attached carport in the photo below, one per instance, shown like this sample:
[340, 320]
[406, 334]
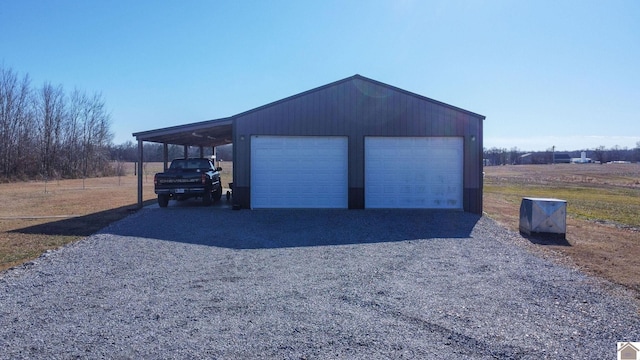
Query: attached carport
[355, 143]
[203, 134]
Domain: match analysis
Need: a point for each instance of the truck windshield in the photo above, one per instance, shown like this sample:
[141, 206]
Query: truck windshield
[190, 164]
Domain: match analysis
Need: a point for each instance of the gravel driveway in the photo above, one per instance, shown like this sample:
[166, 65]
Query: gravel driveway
[195, 282]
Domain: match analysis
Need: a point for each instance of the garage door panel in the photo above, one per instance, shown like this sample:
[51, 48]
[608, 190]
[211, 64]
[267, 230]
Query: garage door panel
[413, 172]
[299, 172]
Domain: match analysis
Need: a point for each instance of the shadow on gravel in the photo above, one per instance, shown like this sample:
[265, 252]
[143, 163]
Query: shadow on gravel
[260, 229]
[81, 225]
[547, 239]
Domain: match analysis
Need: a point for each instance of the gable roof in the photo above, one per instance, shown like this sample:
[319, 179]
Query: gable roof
[627, 345]
[219, 131]
[561, 156]
[365, 79]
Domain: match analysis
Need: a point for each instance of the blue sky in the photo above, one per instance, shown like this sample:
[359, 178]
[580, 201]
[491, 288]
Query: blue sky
[544, 73]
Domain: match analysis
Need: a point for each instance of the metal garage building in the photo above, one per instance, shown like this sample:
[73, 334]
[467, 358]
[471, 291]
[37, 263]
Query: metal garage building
[354, 143]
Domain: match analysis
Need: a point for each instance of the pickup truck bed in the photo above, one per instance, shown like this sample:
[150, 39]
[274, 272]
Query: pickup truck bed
[188, 178]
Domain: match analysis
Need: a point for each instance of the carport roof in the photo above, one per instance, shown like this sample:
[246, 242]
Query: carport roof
[205, 133]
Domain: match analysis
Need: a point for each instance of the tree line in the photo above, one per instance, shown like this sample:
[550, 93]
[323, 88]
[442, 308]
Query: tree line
[46, 132]
[153, 152]
[601, 154]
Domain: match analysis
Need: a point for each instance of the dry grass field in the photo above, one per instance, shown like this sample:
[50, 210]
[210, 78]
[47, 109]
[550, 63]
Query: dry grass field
[38, 216]
[603, 212]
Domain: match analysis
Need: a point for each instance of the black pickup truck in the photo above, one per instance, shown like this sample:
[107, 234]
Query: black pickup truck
[188, 178]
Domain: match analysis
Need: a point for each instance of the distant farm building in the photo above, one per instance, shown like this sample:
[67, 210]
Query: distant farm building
[526, 159]
[583, 159]
[561, 158]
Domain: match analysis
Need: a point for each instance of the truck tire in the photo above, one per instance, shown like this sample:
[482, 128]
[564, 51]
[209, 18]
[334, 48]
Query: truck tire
[218, 194]
[207, 198]
[163, 200]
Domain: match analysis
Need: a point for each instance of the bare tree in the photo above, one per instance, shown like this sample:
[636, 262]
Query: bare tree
[96, 136]
[14, 118]
[514, 155]
[73, 134]
[50, 115]
[46, 133]
[599, 154]
[498, 156]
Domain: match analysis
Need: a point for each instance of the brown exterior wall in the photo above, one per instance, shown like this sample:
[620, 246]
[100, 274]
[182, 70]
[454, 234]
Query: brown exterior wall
[357, 107]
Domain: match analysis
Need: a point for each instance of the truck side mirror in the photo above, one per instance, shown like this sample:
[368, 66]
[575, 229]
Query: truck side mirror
[218, 168]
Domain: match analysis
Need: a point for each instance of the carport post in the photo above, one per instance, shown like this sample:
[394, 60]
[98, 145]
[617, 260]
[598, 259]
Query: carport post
[140, 174]
[165, 156]
[201, 152]
[186, 151]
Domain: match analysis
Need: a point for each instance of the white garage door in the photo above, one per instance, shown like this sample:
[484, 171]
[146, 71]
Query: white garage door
[299, 172]
[414, 172]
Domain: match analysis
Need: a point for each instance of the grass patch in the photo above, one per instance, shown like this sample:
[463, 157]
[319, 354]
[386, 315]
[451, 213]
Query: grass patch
[33, 220]
[615, 205]
[603, 203]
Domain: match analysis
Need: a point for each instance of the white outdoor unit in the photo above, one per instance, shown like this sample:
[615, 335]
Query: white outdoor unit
[543, 216]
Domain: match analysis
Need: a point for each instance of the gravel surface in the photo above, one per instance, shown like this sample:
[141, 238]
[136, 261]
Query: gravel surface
[195, 282]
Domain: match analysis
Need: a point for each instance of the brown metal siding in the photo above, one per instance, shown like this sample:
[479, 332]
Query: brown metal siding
[357, 108]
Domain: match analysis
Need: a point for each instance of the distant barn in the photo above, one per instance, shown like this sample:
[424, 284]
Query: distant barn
[561, 158]
[526, 159]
